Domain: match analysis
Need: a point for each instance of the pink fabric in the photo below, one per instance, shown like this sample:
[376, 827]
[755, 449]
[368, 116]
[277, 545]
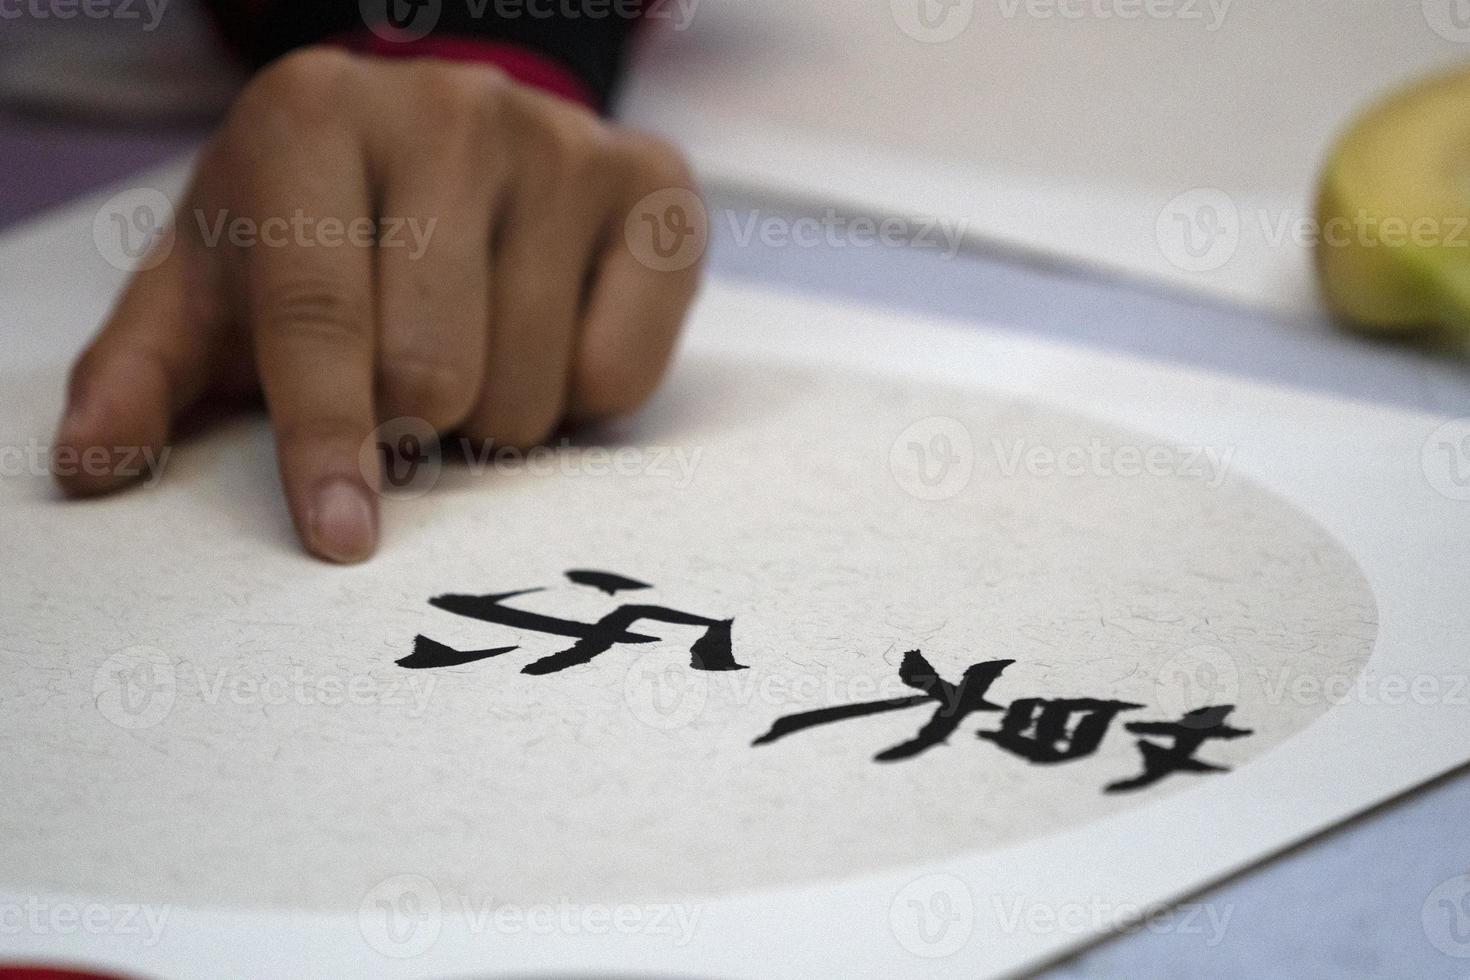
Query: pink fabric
[522, 64]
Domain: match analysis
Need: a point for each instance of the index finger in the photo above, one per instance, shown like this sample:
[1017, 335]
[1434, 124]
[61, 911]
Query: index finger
[309, 292]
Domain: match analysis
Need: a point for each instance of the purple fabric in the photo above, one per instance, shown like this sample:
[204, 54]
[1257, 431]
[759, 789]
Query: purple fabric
[44, 163]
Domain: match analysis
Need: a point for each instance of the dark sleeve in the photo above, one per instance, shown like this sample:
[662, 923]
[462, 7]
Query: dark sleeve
[573, 47]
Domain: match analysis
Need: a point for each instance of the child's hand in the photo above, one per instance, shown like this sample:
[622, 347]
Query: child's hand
[501, 297]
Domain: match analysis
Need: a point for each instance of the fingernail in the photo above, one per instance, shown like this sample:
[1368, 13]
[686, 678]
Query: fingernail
[341, 524]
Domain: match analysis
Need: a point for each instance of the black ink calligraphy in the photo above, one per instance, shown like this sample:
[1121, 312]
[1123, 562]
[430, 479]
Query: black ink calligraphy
[1040, 730]
[955, 701]
[1189, 733]
[712, 651]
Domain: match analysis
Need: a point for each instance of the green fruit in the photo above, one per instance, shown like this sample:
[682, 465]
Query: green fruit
[1393, 212]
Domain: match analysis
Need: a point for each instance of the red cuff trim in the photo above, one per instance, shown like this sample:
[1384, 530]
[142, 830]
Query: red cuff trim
[520, 63]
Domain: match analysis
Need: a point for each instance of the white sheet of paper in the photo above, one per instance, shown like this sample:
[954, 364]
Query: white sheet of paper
[208, 733]
[1174, 141]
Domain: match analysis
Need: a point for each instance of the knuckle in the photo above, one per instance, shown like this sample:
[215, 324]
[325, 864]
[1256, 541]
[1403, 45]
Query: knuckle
[568, 144]
[303, 86]
[565, 163]
[310, 69]
[440, 393]
[655, 161]
[563, 142]
[317, 310]
[490, 93]
[460, 104]
[454, 90]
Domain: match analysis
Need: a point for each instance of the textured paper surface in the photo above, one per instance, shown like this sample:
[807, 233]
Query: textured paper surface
[1175, 141]
[633, 776]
